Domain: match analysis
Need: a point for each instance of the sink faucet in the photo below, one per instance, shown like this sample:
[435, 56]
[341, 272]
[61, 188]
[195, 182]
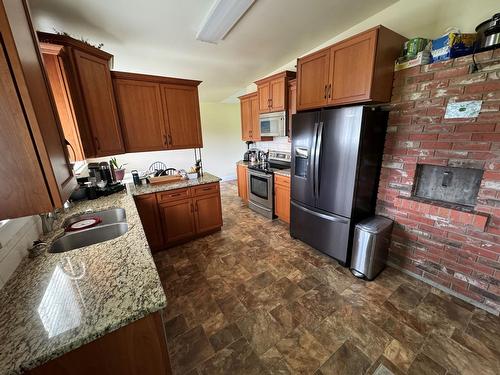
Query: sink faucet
[48, 221]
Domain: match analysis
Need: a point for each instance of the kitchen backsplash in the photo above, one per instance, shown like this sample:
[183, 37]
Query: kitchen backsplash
[278, 144]
[16, 236]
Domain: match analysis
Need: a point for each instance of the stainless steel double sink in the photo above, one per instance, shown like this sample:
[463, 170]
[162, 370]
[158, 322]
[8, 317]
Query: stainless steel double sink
[113, 224]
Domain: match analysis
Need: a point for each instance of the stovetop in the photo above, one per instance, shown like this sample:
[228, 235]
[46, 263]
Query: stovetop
[277, 161]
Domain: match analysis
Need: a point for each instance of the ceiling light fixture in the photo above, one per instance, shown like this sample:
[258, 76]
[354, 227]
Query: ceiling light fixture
[221, 18]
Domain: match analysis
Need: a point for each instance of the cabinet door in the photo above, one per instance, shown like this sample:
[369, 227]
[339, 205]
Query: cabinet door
[22, 188]
[246, 119]
[312, 80]
[141, 117]
[56, 73]
[282, 197]
[99, 101]
[147, 207]
[292, 104]
[278, 94]
[351, 69]
[181, 109]
[264, 95]
[255, 132]
[177, 220]
[208, 213]
[241, 173]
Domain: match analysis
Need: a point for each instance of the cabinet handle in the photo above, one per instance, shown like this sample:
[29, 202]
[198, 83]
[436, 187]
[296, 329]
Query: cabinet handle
[165, 140]
[175, 195]
[271, 103]
[330, 90]
[169, 139]
[326, 86]
[97, 144]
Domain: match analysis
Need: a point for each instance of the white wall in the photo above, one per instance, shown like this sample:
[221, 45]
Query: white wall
[222, 145]
[16, 236]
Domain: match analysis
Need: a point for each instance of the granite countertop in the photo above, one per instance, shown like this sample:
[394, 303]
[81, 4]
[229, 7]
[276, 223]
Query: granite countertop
[207, 178]
[283, 172]
[55, 303]
[242, 162]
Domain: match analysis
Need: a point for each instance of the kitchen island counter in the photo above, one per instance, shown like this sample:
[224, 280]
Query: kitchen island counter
[55, 303]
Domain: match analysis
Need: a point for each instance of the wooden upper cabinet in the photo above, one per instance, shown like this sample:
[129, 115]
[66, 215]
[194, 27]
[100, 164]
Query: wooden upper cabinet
[358, 69]
[141, 117]
[272, 92]
[53, 57]
[351, 67]
[312, 80]
[36, 173]
[182, 114]
[99, 101]
[264, 97]
[250, 128]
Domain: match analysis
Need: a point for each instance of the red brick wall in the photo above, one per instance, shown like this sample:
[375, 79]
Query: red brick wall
[458, 250]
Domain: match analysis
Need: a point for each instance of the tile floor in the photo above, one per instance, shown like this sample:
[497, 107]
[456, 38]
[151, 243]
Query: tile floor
[251, 300]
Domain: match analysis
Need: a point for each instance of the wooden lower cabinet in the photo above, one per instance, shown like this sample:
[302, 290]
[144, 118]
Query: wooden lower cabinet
[175, 216]
[147, 206]
[282, 197]
[208, 213]
[139, 348]
[177, 220]
[242, 176]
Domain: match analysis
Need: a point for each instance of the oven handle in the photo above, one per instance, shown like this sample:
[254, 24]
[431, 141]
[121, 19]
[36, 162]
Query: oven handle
[258, 174]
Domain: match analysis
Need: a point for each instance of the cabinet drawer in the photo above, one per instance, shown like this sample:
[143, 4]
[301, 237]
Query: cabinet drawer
[205, 189]
[172, 195]
[282, 180]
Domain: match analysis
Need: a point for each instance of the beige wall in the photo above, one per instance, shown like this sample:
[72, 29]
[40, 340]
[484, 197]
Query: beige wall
[222, 145]
[412, 18]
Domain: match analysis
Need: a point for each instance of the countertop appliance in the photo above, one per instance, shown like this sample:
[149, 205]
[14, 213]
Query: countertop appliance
[261, 182]
[272, 124]
[488, 33]
[250, 155]
[336, 160]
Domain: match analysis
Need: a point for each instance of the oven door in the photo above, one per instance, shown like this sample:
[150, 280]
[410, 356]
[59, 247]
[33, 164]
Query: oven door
[260, 188]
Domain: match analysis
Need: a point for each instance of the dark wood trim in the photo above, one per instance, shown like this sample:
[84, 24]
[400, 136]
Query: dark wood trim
[152, 78]
[65, 40]
[287, 74]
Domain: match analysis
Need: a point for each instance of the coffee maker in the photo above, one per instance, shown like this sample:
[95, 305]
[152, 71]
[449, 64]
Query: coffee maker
[251, 154]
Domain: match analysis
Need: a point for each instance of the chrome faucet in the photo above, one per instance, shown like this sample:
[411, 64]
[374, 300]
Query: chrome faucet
[48, 221]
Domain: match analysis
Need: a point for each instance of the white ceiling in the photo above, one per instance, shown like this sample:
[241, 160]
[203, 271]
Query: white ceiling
[158, 36]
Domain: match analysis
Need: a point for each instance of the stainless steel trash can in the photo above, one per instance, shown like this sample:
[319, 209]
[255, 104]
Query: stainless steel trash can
[372, 237]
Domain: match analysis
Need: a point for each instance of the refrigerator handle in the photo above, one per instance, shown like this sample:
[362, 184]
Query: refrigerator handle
[313, 157]
[317, 152]
[319, 214]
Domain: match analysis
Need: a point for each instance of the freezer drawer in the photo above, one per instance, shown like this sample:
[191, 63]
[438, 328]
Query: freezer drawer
[327, 233]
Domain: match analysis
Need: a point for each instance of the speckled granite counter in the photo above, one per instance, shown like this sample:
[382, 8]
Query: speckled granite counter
[242, 162]
[58, 302]
[283, 172]
[207, 178]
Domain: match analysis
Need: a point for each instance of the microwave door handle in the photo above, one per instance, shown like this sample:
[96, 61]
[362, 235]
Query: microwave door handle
[317, 158]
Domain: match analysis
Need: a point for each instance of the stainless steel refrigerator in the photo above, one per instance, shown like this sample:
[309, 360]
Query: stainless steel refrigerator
[336, 160]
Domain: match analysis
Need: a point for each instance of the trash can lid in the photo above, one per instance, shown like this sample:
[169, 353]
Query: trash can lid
[374, 224]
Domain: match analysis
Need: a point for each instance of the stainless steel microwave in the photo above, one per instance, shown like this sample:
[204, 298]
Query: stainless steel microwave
[272, 124]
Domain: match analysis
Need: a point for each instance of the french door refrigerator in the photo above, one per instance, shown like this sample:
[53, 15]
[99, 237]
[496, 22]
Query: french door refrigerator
[336, 160]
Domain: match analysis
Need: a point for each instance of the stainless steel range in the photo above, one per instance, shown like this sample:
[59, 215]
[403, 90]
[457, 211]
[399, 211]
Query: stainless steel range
[261, 181]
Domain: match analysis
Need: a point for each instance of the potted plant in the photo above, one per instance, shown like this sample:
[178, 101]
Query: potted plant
[119, 169]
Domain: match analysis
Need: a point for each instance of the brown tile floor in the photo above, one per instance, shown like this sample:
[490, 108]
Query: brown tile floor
[251, 300]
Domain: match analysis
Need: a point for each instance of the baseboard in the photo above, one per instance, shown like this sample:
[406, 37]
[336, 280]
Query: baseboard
[446, 290]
